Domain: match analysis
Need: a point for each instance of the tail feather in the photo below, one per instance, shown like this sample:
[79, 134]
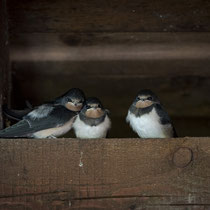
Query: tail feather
[20, 129]
[15, 114]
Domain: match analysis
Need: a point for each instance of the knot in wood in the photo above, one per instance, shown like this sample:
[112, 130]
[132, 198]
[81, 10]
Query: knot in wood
[182, 157]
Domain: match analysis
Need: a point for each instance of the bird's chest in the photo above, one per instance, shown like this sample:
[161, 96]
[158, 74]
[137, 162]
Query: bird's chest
[147, 125]
[84, 130]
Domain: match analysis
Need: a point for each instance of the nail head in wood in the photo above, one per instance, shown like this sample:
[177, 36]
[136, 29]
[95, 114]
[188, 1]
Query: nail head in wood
[182, 157]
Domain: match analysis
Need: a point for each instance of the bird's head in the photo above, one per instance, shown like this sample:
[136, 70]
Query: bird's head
[145, 98]
[93, 108]
[73, 99]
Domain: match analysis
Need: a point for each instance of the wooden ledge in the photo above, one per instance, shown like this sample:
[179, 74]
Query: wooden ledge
[104, 173]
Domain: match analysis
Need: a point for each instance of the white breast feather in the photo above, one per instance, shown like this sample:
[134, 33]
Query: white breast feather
[85, 131]
[148, 125]
[55, 132]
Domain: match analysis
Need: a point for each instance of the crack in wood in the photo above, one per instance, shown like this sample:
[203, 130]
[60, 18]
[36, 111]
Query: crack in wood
[104, 197]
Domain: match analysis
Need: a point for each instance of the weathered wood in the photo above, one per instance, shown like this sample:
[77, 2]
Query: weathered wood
[4, 58]
[60, 200]
[103, 174]
[110, 16]
[182, 157]
[109, 46]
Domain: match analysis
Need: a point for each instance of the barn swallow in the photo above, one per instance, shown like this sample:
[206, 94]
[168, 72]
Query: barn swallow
[93, 120]
[148, 118]
[49, 120]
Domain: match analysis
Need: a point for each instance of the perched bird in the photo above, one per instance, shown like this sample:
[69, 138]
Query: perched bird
[148, 118]
[93, 120]
[49, 120]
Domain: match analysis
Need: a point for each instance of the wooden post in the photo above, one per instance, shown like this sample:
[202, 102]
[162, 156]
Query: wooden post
[4, 58]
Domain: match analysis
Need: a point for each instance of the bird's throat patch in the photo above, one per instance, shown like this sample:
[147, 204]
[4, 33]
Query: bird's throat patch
[94, 113]
[143, 104]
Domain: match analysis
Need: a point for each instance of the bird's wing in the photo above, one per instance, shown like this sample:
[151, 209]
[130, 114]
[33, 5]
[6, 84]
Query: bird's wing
[38, 121]
[164, 117]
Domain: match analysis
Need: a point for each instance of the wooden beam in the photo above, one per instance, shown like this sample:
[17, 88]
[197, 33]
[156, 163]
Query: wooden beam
[105, 173]
[4, 58]
[109, 46]
[110, 16]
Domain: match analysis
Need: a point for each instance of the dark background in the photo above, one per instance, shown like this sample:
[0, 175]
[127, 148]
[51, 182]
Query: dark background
[112, 49]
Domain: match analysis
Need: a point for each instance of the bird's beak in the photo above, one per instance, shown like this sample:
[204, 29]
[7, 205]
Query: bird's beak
[94, 112]
[74, 107]
[143, 104]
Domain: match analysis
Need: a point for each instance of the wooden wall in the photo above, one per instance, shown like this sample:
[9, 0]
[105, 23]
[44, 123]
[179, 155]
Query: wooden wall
[112, 49]
[109, 174]
[109, 16]
[4, 58]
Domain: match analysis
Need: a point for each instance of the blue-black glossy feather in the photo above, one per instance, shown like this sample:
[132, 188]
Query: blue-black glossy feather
[29, 125]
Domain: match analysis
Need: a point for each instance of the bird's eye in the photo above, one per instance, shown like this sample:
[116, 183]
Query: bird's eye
[88, 106]
[99, 105]
[80, 101]
[150, 98]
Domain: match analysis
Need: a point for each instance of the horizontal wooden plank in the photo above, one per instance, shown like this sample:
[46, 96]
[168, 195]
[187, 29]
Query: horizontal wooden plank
[105, 173]
[62, 201]
[110, 16]
[109, 46]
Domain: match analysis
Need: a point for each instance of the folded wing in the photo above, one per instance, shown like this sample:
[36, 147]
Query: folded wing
[38, 120]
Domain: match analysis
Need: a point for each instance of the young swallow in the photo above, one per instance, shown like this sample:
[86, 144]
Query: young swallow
[49, 120]
[93, 120]
[148, 118]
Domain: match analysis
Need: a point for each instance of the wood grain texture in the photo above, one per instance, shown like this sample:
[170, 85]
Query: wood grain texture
[128, 46]
[110, 16]
[4, 58]
[103, 174]
[114, 67]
